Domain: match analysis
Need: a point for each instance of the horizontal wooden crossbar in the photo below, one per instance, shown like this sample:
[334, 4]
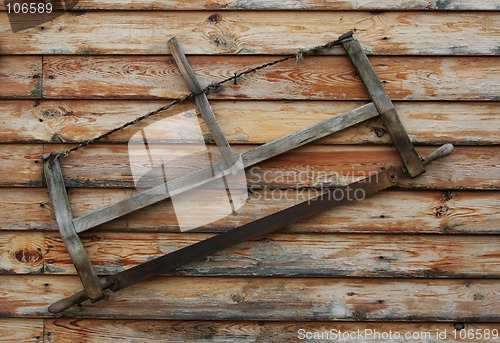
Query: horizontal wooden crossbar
[204, 175]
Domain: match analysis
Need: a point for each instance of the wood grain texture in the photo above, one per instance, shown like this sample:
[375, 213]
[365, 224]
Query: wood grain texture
[291, 255]
[283, 299]
[108, 166]
[247, 122]
[310, 5]
[20, 164]
[20, 76]
[464, 212]
[22, 252]
[295, 255]
[19, 330]
[318, 78]
[270, 32]
[94, 330]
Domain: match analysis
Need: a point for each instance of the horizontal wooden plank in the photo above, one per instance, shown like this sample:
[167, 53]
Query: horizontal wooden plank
[294, 255]
[387, 212]
[22, 252]
[15, 330]
[20, 76]
[270, 32]
[21, 164]
[95, 330]
[212, 298]
[468, 167]
[464, 212]
[247, 122]
[310, 5]
[318, 78]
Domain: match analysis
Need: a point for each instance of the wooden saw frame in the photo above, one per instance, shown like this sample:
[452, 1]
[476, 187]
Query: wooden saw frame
[381, 105]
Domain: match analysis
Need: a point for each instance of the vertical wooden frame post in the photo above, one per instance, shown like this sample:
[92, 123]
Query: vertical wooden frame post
[202, 102]
[384, 106]
[64, 217]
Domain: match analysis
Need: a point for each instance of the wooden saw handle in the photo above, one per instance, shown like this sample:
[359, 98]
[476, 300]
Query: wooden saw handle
[440, 152]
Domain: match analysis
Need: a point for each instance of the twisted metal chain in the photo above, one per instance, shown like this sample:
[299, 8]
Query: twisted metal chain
[212, 88]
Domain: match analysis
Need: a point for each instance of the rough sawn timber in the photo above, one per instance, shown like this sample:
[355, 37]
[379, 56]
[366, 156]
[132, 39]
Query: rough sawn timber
[94, 330]
[244, 32]
[281, 299]
[318, 78]
[444, 212]
[248, 122]
[295, 255]
[469, 167]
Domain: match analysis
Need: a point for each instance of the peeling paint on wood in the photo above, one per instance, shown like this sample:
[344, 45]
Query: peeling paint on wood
[269, 32]
[282, 299]
[443, 33]
[20, 76]
[319, 78]
[248, 122]
[468, 212]
[296, 255]
[14, 330]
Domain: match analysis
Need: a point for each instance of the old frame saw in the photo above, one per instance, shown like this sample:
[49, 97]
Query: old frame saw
[381, 105]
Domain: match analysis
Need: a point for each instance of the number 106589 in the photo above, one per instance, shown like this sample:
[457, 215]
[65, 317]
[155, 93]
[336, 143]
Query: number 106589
[25, 8]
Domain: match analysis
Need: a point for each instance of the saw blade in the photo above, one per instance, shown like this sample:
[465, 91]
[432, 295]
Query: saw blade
[331, 198]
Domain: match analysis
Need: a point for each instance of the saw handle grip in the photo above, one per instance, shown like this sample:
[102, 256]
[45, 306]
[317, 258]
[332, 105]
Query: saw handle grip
[76, 299]
[440, 152]
[66, 303]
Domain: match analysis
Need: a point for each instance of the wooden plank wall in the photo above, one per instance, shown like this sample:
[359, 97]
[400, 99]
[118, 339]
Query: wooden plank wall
[422, 258]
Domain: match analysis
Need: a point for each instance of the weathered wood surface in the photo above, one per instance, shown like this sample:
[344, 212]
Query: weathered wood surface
[270, 32]
[101, 165]
[248, 122]
[30, 244]
[292, 255]
[20, 164]
[64, 217]
[296, 255]
[464, 212]
[15, 330]
[319, 78]
[22, 253]
[20, 76]
[94, 330]
[283, 299]
[310, 5]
